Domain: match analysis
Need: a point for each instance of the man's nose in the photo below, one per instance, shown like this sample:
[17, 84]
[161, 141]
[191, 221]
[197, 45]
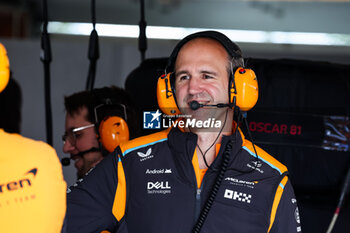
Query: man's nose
[194, 85]
[68, 147]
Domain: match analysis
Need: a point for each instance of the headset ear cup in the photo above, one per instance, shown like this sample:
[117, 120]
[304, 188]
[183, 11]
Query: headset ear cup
[246, 88]
[113, 130]
[4, 68]
[165, 96]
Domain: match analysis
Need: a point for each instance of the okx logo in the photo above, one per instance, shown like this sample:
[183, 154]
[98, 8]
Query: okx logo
[151, 120]
[237, 196]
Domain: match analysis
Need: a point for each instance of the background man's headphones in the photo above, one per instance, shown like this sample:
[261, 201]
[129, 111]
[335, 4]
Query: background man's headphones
[4, 68]
[111, 124]
[243, 84]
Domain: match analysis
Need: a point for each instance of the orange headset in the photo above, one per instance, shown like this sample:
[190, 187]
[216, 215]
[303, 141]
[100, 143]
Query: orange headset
[112, 129]
[4, 68]
[243, 84]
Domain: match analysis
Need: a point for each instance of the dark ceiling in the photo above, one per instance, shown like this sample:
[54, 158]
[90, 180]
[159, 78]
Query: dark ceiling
[273, 15]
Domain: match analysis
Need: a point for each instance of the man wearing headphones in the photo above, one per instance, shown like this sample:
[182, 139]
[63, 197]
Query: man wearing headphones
[32, 188]
[201, 175]
[89, 116]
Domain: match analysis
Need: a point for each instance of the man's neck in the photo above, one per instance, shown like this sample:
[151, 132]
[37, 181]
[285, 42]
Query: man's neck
[209, 138]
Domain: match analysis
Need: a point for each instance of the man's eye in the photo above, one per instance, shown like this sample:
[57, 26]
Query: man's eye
[207, 76]
[78, 135]
[184, 77]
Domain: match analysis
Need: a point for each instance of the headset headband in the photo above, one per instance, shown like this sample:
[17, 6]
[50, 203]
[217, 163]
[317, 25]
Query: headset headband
[110, 121]
[232, 48]
[242, 86]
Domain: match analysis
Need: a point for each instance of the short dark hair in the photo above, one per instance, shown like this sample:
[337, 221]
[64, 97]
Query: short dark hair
[91, 99]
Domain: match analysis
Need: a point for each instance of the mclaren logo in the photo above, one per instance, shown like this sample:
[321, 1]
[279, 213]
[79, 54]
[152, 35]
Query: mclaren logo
[20, 183]
[146, 155]
[234, 181]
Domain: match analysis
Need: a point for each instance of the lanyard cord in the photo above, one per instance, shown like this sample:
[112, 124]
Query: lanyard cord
[250, 135]
[215, 188]
[45, 57]
[200, 150]
[93, 53]
[225, 160]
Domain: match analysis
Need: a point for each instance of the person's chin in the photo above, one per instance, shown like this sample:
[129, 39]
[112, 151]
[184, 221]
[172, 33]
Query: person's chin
[203, 113]
[200, 115]
[82, 171]
[80, 174]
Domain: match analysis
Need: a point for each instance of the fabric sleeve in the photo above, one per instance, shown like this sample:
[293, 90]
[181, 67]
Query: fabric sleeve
[287, 218]
[90, 200]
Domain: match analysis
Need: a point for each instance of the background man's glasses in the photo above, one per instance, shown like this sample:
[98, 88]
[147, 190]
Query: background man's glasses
[71, 135]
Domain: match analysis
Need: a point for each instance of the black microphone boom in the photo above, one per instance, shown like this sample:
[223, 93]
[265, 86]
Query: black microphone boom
[66, 160]
[194, 105]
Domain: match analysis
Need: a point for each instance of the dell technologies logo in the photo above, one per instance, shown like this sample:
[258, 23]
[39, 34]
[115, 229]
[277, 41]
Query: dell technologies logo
[158, 187]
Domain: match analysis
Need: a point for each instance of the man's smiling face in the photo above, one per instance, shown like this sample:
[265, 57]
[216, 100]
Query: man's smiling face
[201, 74]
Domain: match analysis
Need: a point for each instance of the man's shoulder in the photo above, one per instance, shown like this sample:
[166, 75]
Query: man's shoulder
[18, 146]
[143, 141]
[263, 156]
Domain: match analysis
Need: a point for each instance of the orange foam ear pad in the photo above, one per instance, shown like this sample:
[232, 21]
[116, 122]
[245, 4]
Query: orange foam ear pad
[246, 88]
[4, 68]
[113, 131]
[165, 96]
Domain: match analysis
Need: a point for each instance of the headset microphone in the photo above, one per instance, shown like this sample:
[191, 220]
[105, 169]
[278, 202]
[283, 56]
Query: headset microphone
[194, 105]
[66, 160]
